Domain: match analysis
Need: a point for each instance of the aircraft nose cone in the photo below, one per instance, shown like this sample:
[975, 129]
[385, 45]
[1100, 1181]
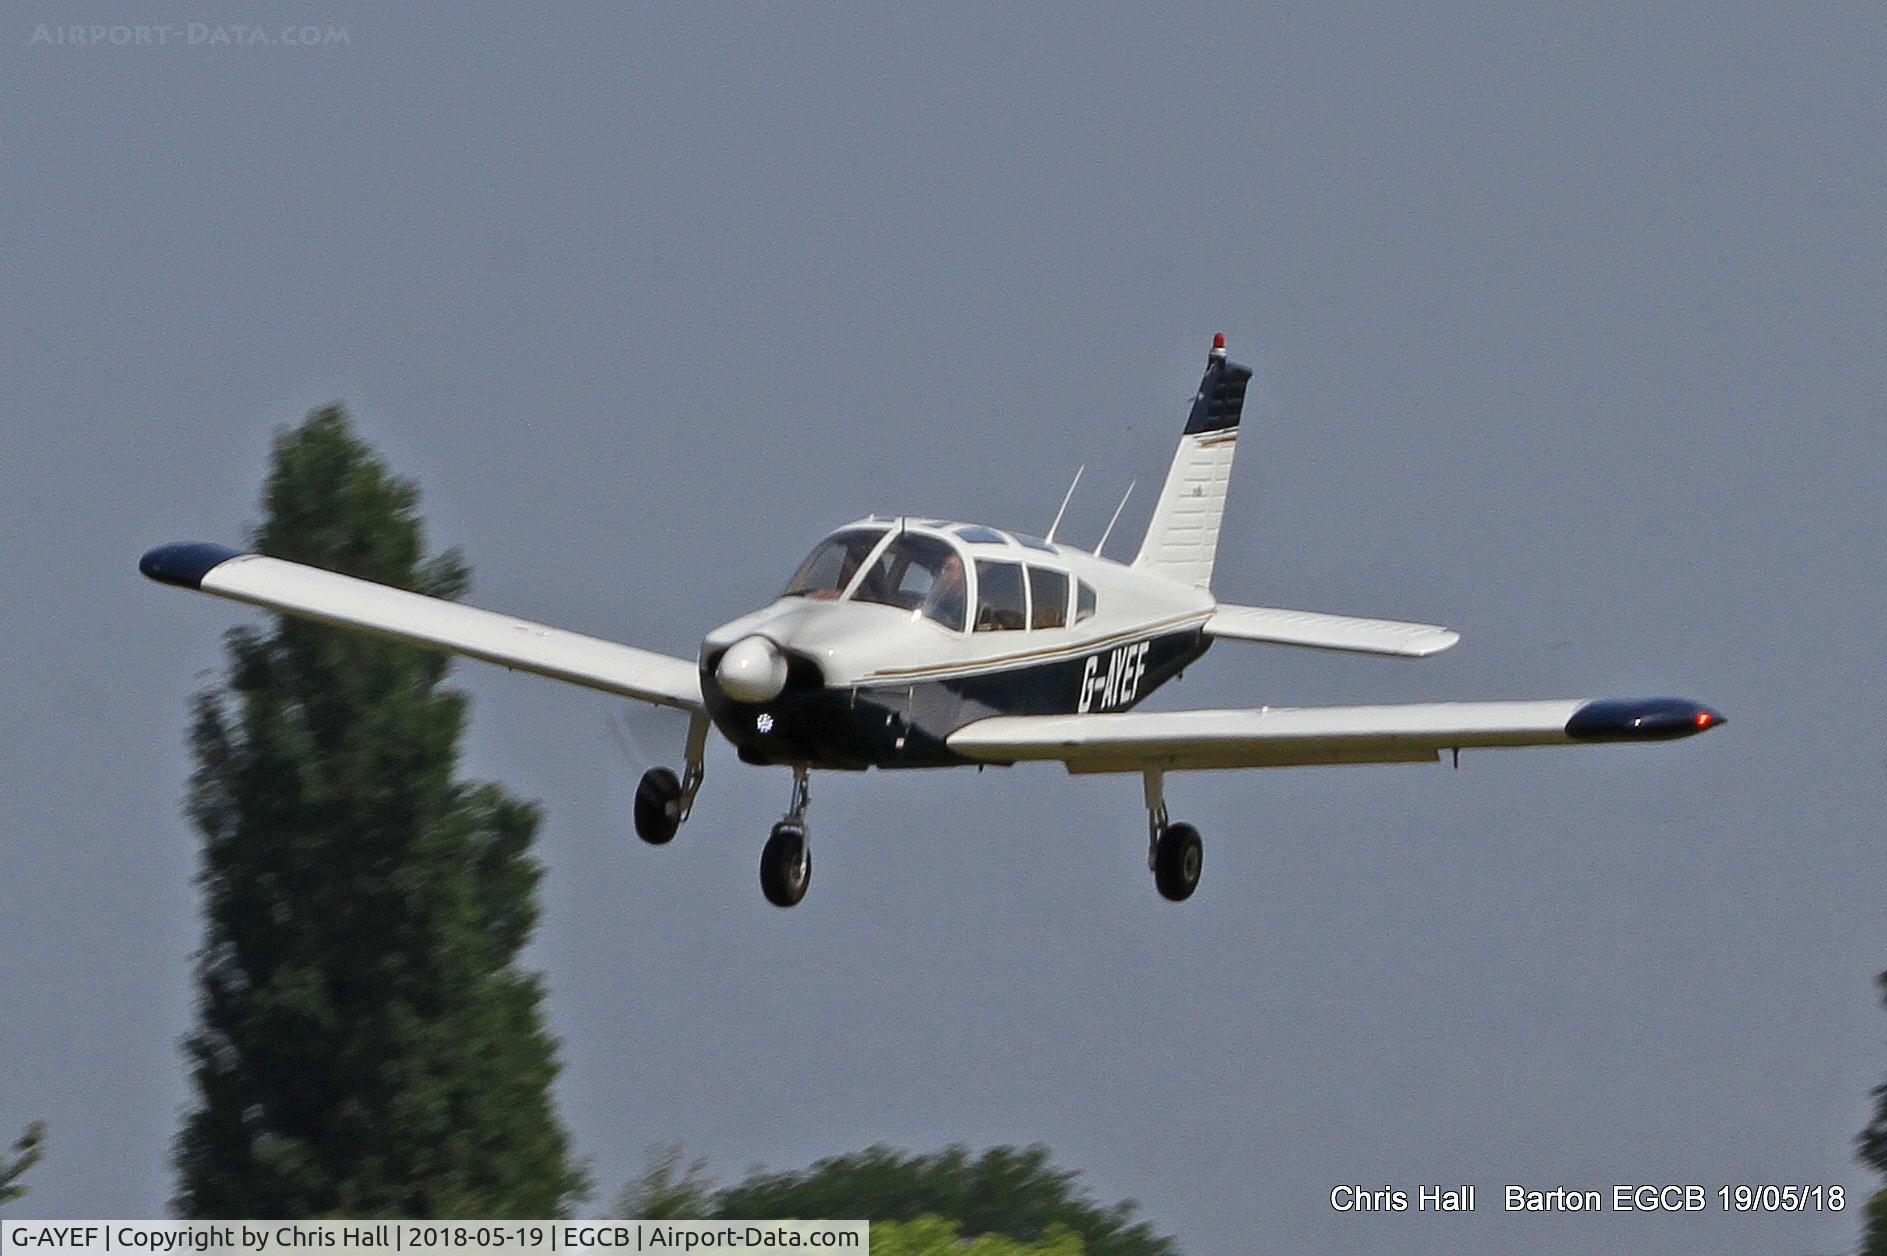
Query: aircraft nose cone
[752, 670]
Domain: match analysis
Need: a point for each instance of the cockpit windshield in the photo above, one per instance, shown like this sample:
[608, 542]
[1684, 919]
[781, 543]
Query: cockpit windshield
[918, 573]
[831, 566]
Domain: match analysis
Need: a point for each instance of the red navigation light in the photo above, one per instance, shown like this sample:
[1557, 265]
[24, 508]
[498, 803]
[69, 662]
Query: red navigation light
[1703, 719]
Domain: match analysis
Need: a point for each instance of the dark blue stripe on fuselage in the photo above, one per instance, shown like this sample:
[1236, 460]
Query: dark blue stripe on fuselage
[908, 724]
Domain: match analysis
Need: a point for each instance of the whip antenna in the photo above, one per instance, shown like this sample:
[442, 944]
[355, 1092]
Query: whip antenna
[1116, 519]
[1066, 498]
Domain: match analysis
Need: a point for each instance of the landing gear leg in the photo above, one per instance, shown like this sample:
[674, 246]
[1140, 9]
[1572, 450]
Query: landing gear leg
[696, 769]
[664, 800]
[1153, 785]
[786, 860]
[1174, 852]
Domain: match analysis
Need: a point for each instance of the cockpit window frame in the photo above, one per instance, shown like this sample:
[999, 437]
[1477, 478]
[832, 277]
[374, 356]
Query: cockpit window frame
[983, 567]
[928, 608]
[1080, 606]
[979, 534]
[884, 533]
[1035, 572]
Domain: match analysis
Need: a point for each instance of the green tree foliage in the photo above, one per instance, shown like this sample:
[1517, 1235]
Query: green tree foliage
[1007, 1194]
[1874, 1241]
[23, 1156]
[670, 1188]
[1873, 1151]
[367, 1044]
[933, 1236]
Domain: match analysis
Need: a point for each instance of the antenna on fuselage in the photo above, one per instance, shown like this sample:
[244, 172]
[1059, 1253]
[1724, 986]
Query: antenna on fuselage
[1066, 498]
[1098, 545]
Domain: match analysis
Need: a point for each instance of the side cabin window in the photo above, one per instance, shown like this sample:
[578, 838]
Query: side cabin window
[918, 573]
[1002, 603]
[831, 566]
[1084, 601]
[1048, 598]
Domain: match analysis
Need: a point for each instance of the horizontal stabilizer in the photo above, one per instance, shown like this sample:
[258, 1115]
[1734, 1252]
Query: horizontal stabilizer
[1329, 632]
[311, 593]
[1138, 741]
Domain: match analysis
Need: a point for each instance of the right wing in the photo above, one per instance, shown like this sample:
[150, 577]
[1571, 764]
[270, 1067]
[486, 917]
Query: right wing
[311, 593]
[1329, 632]
[1269, 737]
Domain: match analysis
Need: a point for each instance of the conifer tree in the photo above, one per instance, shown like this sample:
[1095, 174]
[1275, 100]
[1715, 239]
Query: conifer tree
[367, 1044]
[1873, 1151]
[24, 1155]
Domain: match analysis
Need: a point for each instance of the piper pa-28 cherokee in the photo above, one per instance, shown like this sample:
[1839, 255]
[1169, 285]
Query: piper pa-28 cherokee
[904, 643]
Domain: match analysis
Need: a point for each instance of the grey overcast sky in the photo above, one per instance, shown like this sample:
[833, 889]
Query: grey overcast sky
[1567, 324]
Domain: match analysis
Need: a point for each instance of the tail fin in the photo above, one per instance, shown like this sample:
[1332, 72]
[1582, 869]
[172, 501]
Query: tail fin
[1183, 538]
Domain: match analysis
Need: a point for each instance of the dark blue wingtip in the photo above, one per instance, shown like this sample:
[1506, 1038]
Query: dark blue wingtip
[185, 563]
[1641, 719]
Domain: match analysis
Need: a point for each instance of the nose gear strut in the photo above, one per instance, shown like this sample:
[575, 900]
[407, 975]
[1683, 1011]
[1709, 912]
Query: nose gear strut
[786, 860]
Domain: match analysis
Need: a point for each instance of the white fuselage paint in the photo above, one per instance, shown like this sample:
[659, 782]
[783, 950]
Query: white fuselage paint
[865, 644]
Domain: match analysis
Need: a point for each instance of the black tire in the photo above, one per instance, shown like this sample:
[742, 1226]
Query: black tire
[1178, 859]
[657, 816]
[786, 866]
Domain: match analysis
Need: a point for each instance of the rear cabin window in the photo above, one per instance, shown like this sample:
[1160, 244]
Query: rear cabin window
[1084, 601]
[918, 573]
[1048, 598]
[1001, 603]
[831, 566]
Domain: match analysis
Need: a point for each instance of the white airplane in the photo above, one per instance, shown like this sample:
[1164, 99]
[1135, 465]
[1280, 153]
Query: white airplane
[904, 643]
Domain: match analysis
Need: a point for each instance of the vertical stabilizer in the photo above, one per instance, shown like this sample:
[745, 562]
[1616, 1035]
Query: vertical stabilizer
[1183, 538]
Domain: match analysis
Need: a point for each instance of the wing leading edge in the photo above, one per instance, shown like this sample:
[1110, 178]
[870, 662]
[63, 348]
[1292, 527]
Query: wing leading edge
[1329, 632]
[1138, 741]
[311, 593]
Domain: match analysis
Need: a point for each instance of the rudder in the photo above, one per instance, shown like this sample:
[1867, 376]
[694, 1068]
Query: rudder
[1183, 538]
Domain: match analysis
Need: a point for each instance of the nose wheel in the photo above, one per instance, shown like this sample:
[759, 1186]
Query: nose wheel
[786, 860]
[1175, 852]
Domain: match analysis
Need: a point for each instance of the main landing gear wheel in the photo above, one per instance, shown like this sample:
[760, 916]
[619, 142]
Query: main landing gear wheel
[1174, 851]
[658, 806]
[663, 800]
[1178, 856]
[786, 865]
[786, 862]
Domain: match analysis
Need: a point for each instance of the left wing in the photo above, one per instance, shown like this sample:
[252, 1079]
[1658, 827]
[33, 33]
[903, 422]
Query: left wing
[311, 593]
[1269, 737]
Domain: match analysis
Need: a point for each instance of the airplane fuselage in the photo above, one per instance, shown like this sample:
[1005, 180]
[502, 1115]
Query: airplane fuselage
[875, 685]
